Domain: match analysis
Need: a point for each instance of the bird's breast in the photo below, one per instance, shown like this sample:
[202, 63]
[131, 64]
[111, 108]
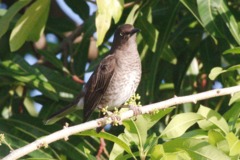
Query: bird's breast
[125, 80]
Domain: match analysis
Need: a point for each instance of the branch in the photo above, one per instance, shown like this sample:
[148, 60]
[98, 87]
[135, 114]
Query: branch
[67, 131]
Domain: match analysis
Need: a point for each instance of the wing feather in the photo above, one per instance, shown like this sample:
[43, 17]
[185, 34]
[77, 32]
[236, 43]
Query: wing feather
[97, 85]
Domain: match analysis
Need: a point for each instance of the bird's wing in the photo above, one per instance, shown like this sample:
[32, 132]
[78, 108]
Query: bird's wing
[97, 85]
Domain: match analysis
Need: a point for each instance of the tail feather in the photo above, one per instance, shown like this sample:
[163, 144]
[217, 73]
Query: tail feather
[76, 104]
[60, 114]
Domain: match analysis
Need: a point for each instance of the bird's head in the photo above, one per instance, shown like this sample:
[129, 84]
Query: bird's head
[125, 34]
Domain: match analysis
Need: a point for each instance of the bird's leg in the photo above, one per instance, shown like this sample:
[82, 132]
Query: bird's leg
[136, 111]
[133, 104]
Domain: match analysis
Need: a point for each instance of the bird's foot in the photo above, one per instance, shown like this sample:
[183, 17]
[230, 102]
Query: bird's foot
[136, 111]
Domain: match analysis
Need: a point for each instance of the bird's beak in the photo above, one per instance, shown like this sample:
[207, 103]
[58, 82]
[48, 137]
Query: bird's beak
[135, 30]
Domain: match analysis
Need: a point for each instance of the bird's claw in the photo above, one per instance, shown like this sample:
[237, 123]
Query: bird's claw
[136, 111]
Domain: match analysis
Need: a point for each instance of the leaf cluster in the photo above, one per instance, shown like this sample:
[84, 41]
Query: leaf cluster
[186, 47]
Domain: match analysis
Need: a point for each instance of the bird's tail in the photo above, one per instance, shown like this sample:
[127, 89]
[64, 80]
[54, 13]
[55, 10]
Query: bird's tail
[60, 114]
[75, 105]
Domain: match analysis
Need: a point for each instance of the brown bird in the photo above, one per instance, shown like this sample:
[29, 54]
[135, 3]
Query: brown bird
[115, 79]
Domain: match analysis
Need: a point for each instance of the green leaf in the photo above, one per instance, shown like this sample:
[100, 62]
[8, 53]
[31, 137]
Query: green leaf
[218, 70]
[210, 11]
[234, 98]
[31, 25]
[53, 60]
[29, 104]
[22, 130]
[229, 20]
[157, 152]
[177, 155]
[17, 142]
[196, 149]
[8, 16]
[107, 9]
[192, 7]
[196, 133]
[179, 124]
[162, 42]
[109, 137]
[234, 144]
[89, 156]
[216, 138]
[150, 143]
[132, 16]
[233, 68]
[65, 87]
[149, 32]
[116, 9]
[207, 12]
[215, 72]
[135, 133]
[168, 55]
[136, 130]
[20, 70]
[214, 118]
[80, 60]
[232, 115]
[235, 50]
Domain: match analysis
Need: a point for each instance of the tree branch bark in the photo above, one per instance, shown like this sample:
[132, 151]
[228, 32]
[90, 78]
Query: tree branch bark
[67, 131]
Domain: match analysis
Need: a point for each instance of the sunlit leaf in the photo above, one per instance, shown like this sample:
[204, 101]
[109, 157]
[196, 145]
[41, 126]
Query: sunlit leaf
[234, 98]
[214, 137]
[107, 9]
[133, 14]
[235, 50]
[214, 118]
[196, 149]
[12, 11]
[234, 144]
[218, 70]
[157, 152]
[179, 124]
[31, 25]
[215, 72]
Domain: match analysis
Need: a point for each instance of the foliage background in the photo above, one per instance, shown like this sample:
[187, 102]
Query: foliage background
[180, 43]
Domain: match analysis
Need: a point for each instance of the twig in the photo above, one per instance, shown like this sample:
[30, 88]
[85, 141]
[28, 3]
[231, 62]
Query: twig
[67, 131]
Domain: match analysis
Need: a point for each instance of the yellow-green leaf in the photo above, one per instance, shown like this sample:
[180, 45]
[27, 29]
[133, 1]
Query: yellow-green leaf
[12, 11]
[31, 25]
[107, 9]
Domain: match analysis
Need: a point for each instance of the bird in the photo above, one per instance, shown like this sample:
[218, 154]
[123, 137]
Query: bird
[113, 81]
